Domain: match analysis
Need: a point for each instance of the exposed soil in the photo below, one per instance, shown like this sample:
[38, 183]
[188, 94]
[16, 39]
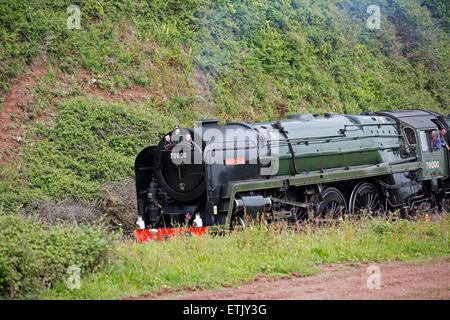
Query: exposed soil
[89, 83]
[398, 280]
[16, 103]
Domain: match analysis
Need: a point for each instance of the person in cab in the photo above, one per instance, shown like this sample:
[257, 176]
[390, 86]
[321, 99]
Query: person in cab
[444, 143]
[435, 141]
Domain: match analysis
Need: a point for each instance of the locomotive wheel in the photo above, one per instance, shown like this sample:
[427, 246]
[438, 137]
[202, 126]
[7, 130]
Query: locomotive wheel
[332, 206]
[365, 198]
[446, 205]
[238, 222]
[242, 221]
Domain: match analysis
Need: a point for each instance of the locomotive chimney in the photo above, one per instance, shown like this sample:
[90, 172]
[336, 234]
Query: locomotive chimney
[207, 123]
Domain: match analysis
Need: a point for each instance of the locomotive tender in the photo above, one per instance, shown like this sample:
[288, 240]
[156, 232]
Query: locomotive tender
[305, 166]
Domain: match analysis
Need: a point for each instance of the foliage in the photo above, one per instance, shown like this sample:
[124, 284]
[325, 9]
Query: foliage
[34, 256]
[277, 57]
[303, 55]
[215, 261]
[439, 9]
[90, 142]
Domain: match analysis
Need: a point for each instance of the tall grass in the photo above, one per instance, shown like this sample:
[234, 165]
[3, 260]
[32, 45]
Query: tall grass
[215, 261]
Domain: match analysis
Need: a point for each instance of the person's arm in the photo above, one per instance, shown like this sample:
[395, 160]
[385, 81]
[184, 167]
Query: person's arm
[444, 143]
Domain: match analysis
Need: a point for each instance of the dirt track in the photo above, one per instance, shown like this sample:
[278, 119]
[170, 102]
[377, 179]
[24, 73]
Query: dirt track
[398, 280]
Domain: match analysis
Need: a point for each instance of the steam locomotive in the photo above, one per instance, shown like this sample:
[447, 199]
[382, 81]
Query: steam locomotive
[307, 166]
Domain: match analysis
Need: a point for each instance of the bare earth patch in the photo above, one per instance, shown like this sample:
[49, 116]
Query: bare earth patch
[398, 280]
[15, 104]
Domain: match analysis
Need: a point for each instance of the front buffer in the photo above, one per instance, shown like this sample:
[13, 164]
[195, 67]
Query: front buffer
[143, 235]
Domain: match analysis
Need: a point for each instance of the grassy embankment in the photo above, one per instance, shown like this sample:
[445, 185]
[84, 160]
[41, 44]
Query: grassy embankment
[213, 262]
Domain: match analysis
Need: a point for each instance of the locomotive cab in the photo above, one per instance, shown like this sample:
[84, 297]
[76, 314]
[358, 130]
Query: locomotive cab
[417, 127]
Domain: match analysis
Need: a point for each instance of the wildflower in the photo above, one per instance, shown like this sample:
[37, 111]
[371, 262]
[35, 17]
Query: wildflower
[436, 217]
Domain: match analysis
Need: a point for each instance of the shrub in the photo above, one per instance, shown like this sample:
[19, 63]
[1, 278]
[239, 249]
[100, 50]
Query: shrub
[91, 142]
[34, 255]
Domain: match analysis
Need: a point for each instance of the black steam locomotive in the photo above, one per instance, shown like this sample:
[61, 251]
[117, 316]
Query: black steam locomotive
[304, 166]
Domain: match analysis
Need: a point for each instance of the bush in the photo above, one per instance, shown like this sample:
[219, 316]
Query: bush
[34, 255]
[91, 142]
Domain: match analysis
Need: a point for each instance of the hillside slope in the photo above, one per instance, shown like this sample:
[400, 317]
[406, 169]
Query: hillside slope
[77, 105]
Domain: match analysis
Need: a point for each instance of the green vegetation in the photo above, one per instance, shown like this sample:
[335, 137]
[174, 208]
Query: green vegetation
[33, 255]
[212, 262]
[312, 55]
[90, 142]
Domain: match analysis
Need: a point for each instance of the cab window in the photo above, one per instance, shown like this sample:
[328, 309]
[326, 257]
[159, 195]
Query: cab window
[425, 141]
[410, 135]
